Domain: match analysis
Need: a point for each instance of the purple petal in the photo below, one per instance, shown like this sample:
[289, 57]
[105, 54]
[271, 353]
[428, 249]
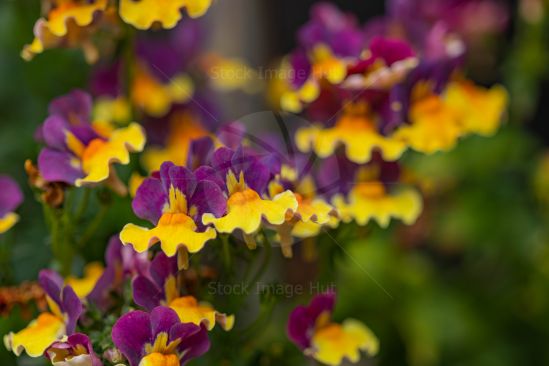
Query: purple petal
[70, 347]
[147, 294]
[221, 161]
[256, 175]
[149, 200]
[72, 306]
[199, 152]
[208, 197]
[75, 106]
[162, 320]
[10, 195]
[130, 334]
[54, 132]
[390, 50]
[231, 134]
[162, 267]
[301, 68]
[194, 340]
[182, 179]
[56, 166]
[210, 174]
[52, 283]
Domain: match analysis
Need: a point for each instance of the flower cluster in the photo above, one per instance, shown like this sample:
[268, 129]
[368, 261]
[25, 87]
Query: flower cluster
[199, 188]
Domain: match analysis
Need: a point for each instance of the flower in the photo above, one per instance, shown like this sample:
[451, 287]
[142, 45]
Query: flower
[83, 286]
[142, 14]
[312, 330]
[160, 288]
[122, 263]
[158, 338]
[81, 153]
[10, 198]
[244, 178]
[174, 199]
[372, 192]
[76, 350]
[65, 309]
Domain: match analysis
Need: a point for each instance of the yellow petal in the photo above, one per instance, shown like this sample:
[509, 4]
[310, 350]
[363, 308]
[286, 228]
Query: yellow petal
[369, 201]
[356, 133]
[246, 210]
[142, 14]
[190, 311]
[83, 286]
[197, 8]
[173, 230]
[8, 221]
[99, 154]
[81, 12]
[37, 336]
[434, 126]
[480, 110]
[333, 343]
[316, 210]
[159, 359]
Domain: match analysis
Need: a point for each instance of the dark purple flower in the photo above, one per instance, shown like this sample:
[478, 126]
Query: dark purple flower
[76, 350]
[64, 297]
[303, 319]
[159, 336]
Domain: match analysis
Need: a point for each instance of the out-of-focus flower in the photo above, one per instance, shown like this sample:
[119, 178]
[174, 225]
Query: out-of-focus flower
[312, 329]
[541, 179]
[158, 338]
[76, 350]
[65, 309]
[122, 263]
[184, 127]
[82, 153]
[174, 199]
[142, 14]
[83, 286]
[161, 288]
[231, 74]
[10, 198]
[22, 296]
[244, 179]
[73, 23]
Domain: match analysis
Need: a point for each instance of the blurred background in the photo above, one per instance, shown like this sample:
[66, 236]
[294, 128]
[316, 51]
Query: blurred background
[468, 284]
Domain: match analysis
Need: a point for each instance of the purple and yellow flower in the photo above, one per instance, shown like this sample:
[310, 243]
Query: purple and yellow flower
[143, 14]
[123, 263]
[79, 152]
[76, 350]
[244, 178]
[158, 338]
[174, 199]
[161, 288]
[371, 192]
[312, 329]
[65, 309]
[10, 198]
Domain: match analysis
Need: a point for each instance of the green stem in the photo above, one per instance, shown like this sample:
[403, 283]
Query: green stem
[94, 225]
[226, 252]
[265, 263]
[81, 210]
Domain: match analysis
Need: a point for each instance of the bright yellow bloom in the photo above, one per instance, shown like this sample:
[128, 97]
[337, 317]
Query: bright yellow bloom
[479, 110]
[37, 336]
[160, 359]
[333, 343]
[172, 231]
[190, 311]
[370, 201]
[434, 126]
[357, 133]
[99, 154]
[142, 14]
[83, 286]
[246, 209]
